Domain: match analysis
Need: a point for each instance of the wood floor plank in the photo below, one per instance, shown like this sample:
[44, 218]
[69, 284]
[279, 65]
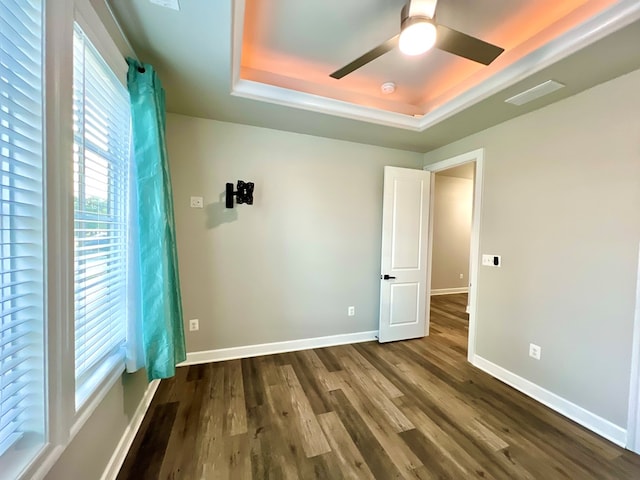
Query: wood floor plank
[234, 399]
[264, 459]
[328, 380]
[437, 354]
[399, 453]
[376, 457]
[373, 375]
[434, 465]
[238, 456]
[351, 463]
[459, 461]
[328, 359]
[405, 410]
[269, 371]
[312, 386]
[314, 441]
[375, 395]
[289, 448]
[211, 434]
[252, 383]
[180, 448]
[153, 446]
[487, 436]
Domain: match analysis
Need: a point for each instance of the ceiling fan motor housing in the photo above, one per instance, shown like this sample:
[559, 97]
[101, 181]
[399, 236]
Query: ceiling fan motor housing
[417, 33]
[406, 20]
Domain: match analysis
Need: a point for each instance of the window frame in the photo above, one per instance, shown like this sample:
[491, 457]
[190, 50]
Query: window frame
[93, 377]
[89, 22]
[63, 421]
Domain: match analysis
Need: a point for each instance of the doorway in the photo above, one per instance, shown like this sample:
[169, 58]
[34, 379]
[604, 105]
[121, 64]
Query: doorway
[452, 209]
[460, 173]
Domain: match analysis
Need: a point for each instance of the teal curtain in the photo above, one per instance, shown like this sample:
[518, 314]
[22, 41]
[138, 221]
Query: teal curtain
[159, 285]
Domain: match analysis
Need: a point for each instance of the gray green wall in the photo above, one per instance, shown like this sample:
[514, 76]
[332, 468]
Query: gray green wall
[287, 267]
[452, 208]
[560, 204]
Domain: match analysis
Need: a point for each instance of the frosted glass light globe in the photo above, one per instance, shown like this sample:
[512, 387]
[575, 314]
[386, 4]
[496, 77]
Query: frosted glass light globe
[417, 38]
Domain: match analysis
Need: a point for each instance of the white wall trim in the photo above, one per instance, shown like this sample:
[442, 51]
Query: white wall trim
[593, 422]
[120, 453]
[633, 421]
[207, 356]
[476, 156]
[315, 103]
[449, 291]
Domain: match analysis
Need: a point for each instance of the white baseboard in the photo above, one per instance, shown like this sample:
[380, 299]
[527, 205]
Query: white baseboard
[593, 422]
[449, 291]
[194, 358]
[120, 453]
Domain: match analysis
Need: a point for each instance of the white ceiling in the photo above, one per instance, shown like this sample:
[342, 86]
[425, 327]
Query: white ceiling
[267, 63]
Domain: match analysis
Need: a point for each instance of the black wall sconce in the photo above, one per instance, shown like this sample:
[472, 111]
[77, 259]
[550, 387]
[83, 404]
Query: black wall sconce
[243, 194]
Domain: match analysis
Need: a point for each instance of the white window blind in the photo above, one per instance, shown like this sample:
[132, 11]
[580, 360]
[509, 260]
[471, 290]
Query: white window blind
[101, 118]
[22, 411]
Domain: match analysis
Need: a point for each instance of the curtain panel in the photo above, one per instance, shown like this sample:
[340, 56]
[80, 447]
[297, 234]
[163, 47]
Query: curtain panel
[160, 319]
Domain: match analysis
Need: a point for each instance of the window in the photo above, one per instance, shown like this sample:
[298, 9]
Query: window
[101, 123]
[22, 382]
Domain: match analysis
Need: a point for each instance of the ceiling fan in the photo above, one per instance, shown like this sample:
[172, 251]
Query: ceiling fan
[419, 32]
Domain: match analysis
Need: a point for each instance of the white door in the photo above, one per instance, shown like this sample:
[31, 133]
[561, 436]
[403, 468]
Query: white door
[403, 280]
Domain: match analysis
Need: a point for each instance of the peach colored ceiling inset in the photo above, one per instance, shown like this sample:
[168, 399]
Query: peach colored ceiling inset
[296, 44]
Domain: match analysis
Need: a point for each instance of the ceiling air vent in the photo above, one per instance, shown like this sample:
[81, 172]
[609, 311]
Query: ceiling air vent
[538, 91]
[172, 4]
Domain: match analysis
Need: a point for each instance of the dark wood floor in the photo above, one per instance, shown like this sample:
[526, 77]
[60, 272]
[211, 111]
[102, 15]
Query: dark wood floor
[413, 409]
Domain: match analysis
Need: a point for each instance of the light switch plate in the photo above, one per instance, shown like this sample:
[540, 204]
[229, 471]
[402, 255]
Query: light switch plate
[491, 260]
[197, 202]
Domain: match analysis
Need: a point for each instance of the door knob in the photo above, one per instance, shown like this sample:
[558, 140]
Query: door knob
[387, 277]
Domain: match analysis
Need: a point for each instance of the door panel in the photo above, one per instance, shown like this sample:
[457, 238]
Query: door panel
[405, 304]
[406, 240]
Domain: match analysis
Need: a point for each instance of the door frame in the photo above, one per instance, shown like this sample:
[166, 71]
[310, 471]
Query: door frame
[633, 420]
[476, 156]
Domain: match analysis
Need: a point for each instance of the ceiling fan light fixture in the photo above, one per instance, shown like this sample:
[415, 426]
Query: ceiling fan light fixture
[418, 35]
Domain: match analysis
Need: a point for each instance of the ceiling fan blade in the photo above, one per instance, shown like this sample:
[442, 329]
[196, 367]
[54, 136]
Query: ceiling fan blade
[466, 46]
[366, 58]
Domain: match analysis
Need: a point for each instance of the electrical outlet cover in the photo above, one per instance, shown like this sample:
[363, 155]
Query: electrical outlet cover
[535, 351]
